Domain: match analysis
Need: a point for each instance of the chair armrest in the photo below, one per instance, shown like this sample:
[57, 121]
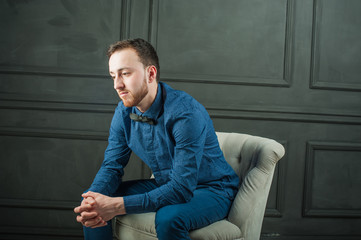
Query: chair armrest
[258, 160]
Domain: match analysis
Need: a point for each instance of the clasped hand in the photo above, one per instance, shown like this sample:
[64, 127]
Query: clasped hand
[96, 209]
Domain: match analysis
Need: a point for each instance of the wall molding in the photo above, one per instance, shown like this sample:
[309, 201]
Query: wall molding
[21, 233]
[234, 80]
[52, 133]
[39, 72]
[31, 231]
[315, 82]
[289, 114]
[273, 212]
[277, 236]
[38, 204]
[153, 23]
[311, 147]
[125, 19]
[57, 106]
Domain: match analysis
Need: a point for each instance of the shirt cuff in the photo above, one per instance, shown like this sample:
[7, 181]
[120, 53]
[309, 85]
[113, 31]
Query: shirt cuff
[98, 189]
[134, 203]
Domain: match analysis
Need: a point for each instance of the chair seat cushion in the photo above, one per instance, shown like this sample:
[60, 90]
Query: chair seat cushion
[223, 229]
[138, 222]
[143, 225]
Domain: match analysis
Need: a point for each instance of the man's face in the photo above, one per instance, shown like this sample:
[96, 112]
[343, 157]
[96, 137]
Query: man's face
[129, 77]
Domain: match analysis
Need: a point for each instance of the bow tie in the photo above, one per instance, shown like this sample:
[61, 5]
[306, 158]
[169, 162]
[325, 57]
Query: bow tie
[142, 119]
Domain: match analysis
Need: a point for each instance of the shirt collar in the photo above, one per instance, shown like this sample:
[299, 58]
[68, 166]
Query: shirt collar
[156, 107]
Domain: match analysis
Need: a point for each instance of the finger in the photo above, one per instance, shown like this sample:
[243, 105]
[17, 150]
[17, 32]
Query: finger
[88, 194]
[84, 201]
[88, 215]
[90, 200]
[100, 224]
[83, 208]
[79, 219]
[92, 222]
[77, 209]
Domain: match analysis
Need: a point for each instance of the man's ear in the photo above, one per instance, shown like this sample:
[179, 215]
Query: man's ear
[152, 73]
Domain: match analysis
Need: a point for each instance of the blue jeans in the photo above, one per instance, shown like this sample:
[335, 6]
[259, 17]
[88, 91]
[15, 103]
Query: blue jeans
[173, 221]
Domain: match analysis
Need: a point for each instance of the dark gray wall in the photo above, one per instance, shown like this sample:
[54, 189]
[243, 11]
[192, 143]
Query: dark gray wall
[287, 70]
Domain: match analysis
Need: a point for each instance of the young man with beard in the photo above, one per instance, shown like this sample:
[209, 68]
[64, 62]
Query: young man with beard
[172, 133]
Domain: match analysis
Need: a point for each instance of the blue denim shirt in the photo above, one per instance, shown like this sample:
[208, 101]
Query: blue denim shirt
[181, 149]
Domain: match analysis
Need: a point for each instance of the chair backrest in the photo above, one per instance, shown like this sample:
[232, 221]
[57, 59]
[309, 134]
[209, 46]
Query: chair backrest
[253, 159]
[241, 150]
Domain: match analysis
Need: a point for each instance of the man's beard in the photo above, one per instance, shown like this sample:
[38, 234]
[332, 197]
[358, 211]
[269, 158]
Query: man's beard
[133, 99]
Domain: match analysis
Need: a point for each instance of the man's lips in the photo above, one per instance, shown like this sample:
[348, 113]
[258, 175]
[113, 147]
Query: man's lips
[122, 94]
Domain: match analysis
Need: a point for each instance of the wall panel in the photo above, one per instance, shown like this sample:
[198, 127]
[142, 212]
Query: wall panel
[210, 35]
[45, 163]
[54, 37]
[333, 180]
[336, 45]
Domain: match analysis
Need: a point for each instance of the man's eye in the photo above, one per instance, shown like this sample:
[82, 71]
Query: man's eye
[125, 73]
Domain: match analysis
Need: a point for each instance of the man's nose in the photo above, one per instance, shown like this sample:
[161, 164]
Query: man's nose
[118, 82]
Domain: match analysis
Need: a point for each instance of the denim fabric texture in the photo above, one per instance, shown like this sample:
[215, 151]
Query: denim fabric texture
[181, 149]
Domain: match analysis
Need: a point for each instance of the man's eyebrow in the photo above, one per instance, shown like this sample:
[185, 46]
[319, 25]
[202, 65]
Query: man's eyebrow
[121, 69]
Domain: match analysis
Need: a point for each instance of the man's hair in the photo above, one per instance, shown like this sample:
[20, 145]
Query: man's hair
[145, 51]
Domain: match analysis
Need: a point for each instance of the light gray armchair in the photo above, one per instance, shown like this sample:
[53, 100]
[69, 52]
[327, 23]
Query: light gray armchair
[254, 160]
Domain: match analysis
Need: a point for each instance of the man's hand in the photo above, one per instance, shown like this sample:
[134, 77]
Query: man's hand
[97, 208]
[87, 216]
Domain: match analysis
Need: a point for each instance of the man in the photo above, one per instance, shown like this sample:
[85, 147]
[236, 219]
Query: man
[174, 135]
